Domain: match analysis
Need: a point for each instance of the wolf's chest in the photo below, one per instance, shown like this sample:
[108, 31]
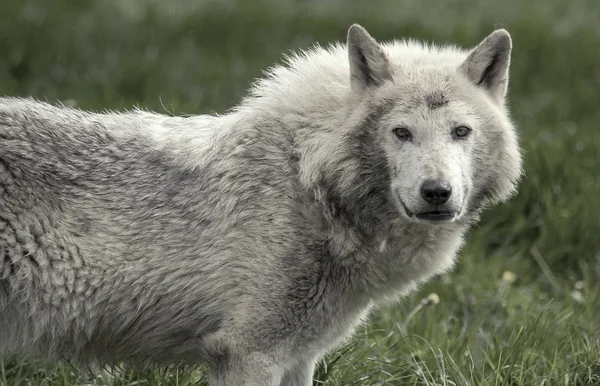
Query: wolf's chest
[330, 329]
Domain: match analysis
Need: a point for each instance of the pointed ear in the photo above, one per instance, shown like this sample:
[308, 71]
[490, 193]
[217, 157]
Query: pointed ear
[369, 65]
[487, 64]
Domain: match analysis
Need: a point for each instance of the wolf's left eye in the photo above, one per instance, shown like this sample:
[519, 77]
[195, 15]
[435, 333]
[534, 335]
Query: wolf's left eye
[461, 132]
[403, 134]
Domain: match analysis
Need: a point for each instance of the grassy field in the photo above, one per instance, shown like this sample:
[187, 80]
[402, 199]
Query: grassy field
[522, 307]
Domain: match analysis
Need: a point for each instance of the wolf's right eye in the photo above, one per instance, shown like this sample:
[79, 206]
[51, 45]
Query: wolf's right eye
[403, 134]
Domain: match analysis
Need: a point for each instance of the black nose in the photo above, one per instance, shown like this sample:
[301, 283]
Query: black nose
[436, 192]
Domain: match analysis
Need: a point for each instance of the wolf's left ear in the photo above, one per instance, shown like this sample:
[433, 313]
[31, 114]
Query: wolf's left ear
[369, 64]
[487, 64]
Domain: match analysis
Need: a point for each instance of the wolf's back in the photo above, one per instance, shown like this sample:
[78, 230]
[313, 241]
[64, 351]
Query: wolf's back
[92, 218]
[125, 235]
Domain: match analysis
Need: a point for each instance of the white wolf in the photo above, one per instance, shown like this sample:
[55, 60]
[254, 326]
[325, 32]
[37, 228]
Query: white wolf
[256, 240]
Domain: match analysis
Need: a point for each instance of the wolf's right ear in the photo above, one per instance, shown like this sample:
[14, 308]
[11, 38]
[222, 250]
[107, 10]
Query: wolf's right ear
[369, 64]
[487, 64]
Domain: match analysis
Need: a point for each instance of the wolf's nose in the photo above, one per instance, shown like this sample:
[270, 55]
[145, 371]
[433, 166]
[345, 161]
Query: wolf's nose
[436, 192]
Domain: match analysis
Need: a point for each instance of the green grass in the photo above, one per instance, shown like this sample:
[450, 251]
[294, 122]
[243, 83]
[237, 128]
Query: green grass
[191, 56]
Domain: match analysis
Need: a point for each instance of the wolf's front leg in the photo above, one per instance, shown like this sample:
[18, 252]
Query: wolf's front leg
[255, 369]
[299, 375]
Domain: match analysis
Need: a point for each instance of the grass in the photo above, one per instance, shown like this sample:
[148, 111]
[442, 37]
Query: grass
[523, 305]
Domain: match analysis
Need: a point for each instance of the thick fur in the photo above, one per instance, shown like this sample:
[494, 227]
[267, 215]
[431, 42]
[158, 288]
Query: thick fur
[256, 240]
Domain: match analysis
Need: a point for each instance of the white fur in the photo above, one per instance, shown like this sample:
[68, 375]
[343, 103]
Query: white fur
[256, 240]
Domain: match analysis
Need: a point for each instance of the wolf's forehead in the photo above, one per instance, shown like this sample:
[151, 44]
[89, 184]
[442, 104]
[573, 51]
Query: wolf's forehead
[431, 88]
[435, 99]
[411, 97]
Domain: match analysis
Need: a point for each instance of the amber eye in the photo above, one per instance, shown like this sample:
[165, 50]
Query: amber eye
[403, 134]
[461, 132]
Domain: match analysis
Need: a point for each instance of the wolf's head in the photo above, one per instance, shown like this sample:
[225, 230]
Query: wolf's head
[438, 115]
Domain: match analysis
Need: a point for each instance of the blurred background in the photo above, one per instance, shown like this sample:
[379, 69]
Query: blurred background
[523, 305]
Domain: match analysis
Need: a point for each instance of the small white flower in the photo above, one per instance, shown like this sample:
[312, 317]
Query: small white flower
[577, 296]
[433, 298]
[509, 277]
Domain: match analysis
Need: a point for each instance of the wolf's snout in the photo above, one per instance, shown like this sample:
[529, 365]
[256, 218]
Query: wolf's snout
[436, 192]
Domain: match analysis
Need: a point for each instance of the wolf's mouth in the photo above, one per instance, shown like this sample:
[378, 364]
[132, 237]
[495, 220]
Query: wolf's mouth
[436, 216]
[433, 216]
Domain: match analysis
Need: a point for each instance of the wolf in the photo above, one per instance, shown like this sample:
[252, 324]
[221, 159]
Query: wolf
[257, 240]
